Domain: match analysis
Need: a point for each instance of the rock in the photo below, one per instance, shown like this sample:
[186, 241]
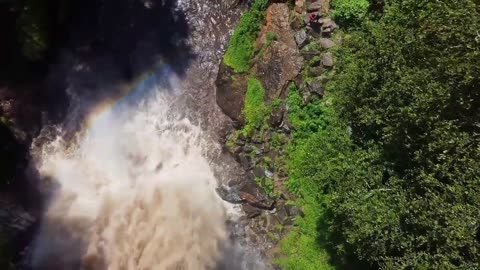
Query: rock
[258, 172]
[316, 88]
[244, 161]
[301, 38]
[276, 117]
[278, 65]
[309, 55]
[229, 195]
[282, 215]
[327, 60]
[326, 43]
[268, 174]
[321, 6]
[294, 211]
[316, 71]
[314, 6]
[230, 92]
[277, 22]
[250, 192]
[328, 26]
[251, 211]
[299, 6]
[14, 219]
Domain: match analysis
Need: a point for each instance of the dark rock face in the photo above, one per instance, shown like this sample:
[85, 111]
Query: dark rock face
[279, 65]
[230, 95]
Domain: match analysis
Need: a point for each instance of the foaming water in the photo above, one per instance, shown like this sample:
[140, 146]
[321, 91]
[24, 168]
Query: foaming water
[132, 191]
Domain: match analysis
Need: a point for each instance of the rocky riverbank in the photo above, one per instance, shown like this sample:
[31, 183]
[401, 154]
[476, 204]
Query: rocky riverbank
[293, 51]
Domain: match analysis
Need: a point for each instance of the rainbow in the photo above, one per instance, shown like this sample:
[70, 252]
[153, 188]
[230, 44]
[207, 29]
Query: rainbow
[128, 92]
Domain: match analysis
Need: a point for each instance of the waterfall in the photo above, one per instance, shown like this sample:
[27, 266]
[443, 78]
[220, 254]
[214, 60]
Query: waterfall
[133, 190]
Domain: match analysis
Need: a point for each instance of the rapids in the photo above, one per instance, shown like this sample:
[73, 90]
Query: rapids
[130, 177]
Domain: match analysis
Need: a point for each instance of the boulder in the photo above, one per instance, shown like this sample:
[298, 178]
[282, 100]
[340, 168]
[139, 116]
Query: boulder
[328, 26]
[250, 211]
[315, 6]
[276, 67]
[230, 92]
[277, 22]
[300, 6]
[326, 43]
[276, 117]
[316, 88]
[320, 6]
[301, 38]
[327, 60]
[250, 192]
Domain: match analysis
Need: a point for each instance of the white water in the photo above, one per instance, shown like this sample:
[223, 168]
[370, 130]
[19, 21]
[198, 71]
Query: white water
[134, 191]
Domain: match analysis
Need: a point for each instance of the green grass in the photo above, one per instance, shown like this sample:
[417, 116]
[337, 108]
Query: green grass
[300, 248]
[241, 49]
[254, 110]
[319, 141]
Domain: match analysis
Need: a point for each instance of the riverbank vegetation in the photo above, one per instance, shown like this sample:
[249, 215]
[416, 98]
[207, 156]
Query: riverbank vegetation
[387, 166]
[241, 49]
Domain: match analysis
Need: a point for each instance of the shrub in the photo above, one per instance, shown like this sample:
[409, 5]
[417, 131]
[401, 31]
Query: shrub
[254, 109]
[241, 49]
[350, 10]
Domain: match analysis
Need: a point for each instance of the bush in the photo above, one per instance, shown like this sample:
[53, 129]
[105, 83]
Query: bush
[350, 10]
[241, 49]
[409, 89]
[254, 109]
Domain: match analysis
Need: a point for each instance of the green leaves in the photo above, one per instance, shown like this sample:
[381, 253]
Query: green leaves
[350, 10]
[406, 87]
[241, 49]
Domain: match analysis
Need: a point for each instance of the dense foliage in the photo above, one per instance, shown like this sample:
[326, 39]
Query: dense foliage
[399, 188]
[242, 49]
[350, 10]
[254, 109]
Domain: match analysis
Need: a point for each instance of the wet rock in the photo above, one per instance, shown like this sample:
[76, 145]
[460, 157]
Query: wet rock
[327, 60]
[301, 38]
[250, 211]
[277, 22]
[253, 194]
[14, 220]
[230, 92]
[229, 195]
[278, 65]
[326, 43]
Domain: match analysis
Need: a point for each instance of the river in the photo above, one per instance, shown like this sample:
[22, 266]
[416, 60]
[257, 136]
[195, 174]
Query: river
[130, 175]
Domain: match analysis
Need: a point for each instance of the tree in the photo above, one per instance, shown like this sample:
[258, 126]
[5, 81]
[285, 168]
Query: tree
[409, 88]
